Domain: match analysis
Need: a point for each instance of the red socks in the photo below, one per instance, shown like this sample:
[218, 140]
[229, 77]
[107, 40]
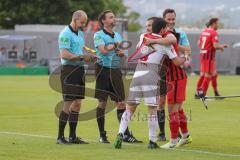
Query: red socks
[214, 82]
[183, 121]
[199, 83]
[205, 84]
[174, 124]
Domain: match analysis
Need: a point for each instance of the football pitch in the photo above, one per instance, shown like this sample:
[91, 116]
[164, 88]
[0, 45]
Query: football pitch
[28, 125]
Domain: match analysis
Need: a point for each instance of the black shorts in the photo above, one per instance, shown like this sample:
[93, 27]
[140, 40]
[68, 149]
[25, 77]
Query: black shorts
[109, 83]
[73, 82]
[163, 81]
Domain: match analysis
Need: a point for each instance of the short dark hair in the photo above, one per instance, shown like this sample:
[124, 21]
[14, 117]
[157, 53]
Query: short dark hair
[152, 18]
[158, 24]
[169, 10]
[102, 16]
[211, 21]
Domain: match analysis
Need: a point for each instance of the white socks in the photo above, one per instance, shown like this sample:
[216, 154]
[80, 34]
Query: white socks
[152, 125]
[126, 117]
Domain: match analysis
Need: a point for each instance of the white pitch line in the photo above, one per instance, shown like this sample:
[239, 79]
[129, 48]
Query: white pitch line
[209, 153]
[182, 150]
[25, 134]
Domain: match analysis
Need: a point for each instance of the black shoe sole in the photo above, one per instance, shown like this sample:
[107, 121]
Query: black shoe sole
[63, 143]
[104, 142]
[133, 142]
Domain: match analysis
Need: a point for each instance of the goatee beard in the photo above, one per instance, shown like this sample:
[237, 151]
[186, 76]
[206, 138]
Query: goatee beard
[112, 25]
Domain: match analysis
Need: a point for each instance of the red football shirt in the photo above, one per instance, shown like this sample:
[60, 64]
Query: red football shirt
[206, 40]
[174, 72]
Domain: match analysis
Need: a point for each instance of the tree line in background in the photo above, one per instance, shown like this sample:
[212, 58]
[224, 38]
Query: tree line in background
[14, 12]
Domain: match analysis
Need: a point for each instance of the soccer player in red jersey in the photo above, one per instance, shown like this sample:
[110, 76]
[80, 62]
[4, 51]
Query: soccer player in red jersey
[172, 40]
[176, 84]
[177, 81]
[208, 44]
[145, 82]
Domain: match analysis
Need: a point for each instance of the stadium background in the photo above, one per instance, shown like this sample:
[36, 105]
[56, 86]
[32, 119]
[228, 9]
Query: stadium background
[46, 45]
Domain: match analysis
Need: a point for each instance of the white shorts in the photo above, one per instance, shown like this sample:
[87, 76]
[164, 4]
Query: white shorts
[145, 84]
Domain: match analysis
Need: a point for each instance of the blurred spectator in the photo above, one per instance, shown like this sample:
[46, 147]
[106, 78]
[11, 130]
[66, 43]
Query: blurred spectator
[15, 49]
[26, 53]
[3, 55]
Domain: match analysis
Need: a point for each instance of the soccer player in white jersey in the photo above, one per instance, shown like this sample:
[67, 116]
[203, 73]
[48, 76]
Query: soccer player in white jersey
[145, 84]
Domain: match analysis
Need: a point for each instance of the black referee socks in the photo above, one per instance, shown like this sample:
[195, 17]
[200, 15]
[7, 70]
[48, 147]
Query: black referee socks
[161, 121]
[100, 115]
[73, 120]
[63, 118]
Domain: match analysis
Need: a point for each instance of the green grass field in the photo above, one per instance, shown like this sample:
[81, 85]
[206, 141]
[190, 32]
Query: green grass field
[28, 125]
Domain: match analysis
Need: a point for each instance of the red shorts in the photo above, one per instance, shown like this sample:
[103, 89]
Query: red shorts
[208, 66]
[177, 92]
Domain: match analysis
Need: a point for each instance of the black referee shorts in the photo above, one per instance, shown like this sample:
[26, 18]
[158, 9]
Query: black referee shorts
[109, 83]
[163, 81]
[73, 82]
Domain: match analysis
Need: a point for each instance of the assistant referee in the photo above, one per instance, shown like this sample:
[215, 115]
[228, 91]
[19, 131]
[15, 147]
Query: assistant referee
[71, 42]
[108, 73]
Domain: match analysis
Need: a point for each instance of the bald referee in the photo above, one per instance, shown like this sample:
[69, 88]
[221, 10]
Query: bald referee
[71, 42]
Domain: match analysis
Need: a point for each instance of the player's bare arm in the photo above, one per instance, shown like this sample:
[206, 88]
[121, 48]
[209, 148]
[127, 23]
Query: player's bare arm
[185, 49]
[179, 60]
[219, 46]
[168, 40]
